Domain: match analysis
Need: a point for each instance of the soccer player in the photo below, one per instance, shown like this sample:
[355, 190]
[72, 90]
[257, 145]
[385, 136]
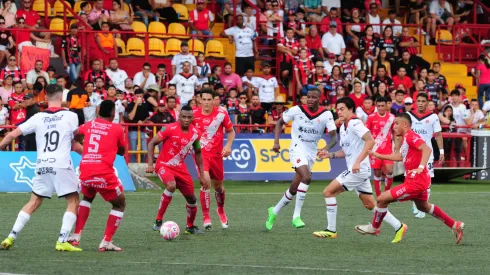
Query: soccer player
[415, 154]
[211, 121]
[178, 139]
[426, 124]
[309, 124]
[103, 140]
[356, 141]
[380, 124]
[54, 170]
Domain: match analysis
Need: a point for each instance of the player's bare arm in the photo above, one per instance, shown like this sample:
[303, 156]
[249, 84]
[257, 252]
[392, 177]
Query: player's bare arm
[396, 156]
[9, 138]
[76, 147]
[151, 149]
[229, 142]
[368, 146]
[335, 155]
[204, 178]
[440, 144]
[277, 134]
[426, 151]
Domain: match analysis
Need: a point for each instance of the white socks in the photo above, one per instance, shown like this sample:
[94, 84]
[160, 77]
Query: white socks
[300, 198]
[20, 222]
[286, 199]
[331, 214]
[389, 218]
[69, 220]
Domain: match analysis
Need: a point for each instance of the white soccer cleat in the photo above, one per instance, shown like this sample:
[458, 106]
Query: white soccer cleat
[367, 229]
[414, 209]
[108, 246]
[420, 215]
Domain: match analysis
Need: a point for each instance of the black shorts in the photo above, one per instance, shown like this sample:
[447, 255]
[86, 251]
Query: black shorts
[287, 66]
[81, 116]
[267, 106]
[242, 64]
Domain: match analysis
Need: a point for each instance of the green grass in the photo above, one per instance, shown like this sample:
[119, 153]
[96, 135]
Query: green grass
[428, 247]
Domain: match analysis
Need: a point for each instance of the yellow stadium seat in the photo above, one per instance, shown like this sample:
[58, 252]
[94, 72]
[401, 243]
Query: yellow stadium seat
[177, 30]
[58, 24]
[139, 27]
[58, 8]
[214, 48]
[120, 44]
[182, 9]
[136, 47]
[444, 36]
[173, 46]
[39, 6]
[73, 21]
[126, 7]
[157, 27]
[190, 7]
[76, 7]
[196, 46]
[156, 47]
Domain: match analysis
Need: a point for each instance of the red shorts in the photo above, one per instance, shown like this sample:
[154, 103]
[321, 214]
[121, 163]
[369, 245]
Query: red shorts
[182, 178]
[214, 166]
[412, 189]
[377, 163]
[108, 186]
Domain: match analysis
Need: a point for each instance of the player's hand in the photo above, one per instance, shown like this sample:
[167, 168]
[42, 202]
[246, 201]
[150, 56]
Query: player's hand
[441, 158]
[276, 148]
[374, 154]
[356, 167]
[226, 152]
[416, 171]
[150, 169]
[205, 181]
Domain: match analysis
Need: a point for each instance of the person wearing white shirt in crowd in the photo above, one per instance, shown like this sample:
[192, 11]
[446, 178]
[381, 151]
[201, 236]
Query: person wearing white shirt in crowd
[144, 78]
[203, 69]
[184, 56]
[441, 12]
[33, 74]
[332, 42]
[395, 23]
[186, 83]
[250, 83]
[459, 115]
[275, 19]
[4, 118]
[116, 75]
[330, 63]
[268, 87]
[90, 112]
[250, 21]
[486, 108]
[474, 116]
[119, 108]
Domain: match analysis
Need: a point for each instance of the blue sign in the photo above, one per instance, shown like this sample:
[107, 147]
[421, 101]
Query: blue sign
[19, 171]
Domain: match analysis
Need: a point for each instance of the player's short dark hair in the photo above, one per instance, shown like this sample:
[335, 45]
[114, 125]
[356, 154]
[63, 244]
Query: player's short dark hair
[186, 108]
[139, 91]
[405, 116]
[381, 99]
[424, 95]
[399, 92]
[106, 108]
[208, 91]
[348, 102]
[455, 92]
[53, 89]
[315, 90]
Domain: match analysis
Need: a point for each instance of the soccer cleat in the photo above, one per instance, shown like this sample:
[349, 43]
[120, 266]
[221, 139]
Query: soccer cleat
[157, 225]
[326, 234]
[420, 215]
[8, 243]
[298, 223]
[207, 223]
[270, 221]
[74, 240]
[415, 211]
[400, 233]
[367, 229]
[193, 230]
[222, 218]
[108, 246]
[66, 246]
[457, 230]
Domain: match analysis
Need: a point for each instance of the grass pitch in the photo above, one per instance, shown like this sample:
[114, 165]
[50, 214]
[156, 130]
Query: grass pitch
[244, 248]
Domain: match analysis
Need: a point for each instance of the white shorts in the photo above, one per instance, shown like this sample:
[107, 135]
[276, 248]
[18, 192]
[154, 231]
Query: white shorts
[48, 180]
[298, 160]
[358, 182]
[430, 165]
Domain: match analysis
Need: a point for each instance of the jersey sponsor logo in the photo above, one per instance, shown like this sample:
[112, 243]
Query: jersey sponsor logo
[420, 131]
[46, 160]
[308, 131]
[52, 118]
[45, 170]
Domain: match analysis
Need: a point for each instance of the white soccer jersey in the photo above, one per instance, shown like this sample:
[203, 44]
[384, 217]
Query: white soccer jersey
[362, 115]
[179, 59]
[54, 134]
[307, 129]
[352, 143]
[185, 86]
[119, 110]
[425, 126]
[267, 89]
[4, 115]
[244, 39]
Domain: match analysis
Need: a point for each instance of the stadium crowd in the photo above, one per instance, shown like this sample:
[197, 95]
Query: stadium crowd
[338, 46]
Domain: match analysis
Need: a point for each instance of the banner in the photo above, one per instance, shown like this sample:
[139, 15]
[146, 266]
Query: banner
[18, 170]
[30, 55]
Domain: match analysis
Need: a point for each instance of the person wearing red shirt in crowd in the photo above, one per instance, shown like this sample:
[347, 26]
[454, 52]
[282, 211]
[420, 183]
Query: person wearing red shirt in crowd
[380, 123]
[30, 16]
[411, 45]
[213, 123]
[314, 43]
[402, 79]
[288, 46]
[201, 20]
[415, 154]
[100, 88]
[103, 140]
[16, 105]
[277, 112]
[178, 139]
[332, 16]
[171, 106]
[91, 75]
[12, 70]
[357, 94]
[303, 70]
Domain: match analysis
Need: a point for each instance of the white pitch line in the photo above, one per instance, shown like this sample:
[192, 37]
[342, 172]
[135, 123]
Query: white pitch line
[11, 274]
[141, 193]
[246, 266]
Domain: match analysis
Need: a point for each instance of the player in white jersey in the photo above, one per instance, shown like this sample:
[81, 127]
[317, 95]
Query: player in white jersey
[356, 142]
[54, 169]
[186, 83]
[426, 124]
[309, 124]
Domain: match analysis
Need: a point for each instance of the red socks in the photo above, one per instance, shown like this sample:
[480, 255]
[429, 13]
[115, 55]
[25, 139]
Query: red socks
[441, 215]
[113, 222]
[205, 202]
[377, 186]
[220, 199]
[379, 215]
[83, 213]
[388, 182]
[191, 214]
[164, 203]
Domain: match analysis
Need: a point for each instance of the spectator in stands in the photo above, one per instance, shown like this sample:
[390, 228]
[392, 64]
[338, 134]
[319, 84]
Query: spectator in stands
[163, 8]
[288, 46]
[52, 74]
[172, 92]
[382, 91]
[13, 70]
[162, 116]
[474, 116]
[409, 65]
[229, 79]
[40, 95]
[203, 70]
[275, 19]
[96, 71]
[31, 109]
[328, 21]
[231, 104]
[98, 15]
[60, 80]
[250, 83]
[365, 81]
[172, 107]
[441, 13]
[33, 74]
[304, 69]
[249, 19]
[402, 79]
[71, 53]
[382, 77]
[4, 118]
[7, 42]
[16, 104]
[411, 45]
[106, 45]
[162, 77]
[145, 78]
[367, 43]
[313, 9]
[77, 99]
[366, 109]
[245, 44]
[91, 110]
[152, 95]
[330, 63]
[7, 88]
[374, 19]
[100, 88]
[355, 27]
[116, 75]
[333, 42]
[383, 60]
[482, 76]
[459, 114]
[184, 56]
[186, 83]
[433, 88]
[144, 10]
[119, 18]
[418, 13]
[398, 104]
[407, 106]
[357, 94]
[30, 16]
[314, 43]
[390, 44]
[8, 11]
[138, 112]
[394, 23]
[22, 37]
[268, 87]
[215, 76]
[257, 114]
[276, 112]
[441, 79]
[201, 20]
[85, 8]
[447, 119]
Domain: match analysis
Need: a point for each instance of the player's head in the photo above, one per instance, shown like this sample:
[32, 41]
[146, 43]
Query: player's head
[186, 116]
[54, 93]
[207, 96]
[313, 99]
[107, 110]
[422, 100]
[381, 105]
[402, 124]
[368, 103]
[345, 108]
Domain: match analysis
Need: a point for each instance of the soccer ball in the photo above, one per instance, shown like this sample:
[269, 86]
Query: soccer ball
[169, 231]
